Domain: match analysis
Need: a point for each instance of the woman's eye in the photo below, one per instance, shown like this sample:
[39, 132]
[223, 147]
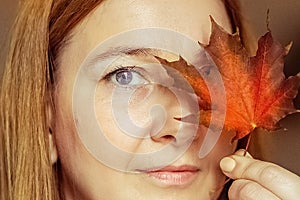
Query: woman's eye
[206, 70]
[126, 77]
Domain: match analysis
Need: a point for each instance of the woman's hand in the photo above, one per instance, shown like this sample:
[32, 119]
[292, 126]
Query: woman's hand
[255, 179]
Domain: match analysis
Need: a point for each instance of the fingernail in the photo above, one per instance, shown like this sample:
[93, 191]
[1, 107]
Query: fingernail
[227, 164]
[243, 152]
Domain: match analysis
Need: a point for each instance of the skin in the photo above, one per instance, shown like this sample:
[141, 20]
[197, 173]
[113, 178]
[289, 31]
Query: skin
[255, 179]
[84, 177]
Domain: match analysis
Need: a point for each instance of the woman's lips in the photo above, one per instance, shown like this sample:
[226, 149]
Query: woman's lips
[173, 176]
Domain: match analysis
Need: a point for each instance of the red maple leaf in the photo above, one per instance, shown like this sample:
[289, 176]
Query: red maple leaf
[257, 92]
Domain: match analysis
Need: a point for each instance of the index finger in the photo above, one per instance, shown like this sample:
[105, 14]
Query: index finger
[276, 179]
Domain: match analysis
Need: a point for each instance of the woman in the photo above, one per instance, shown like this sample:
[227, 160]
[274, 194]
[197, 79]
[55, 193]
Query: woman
[46, 157]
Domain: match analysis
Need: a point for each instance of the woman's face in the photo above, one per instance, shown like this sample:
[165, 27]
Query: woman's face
[134, 73]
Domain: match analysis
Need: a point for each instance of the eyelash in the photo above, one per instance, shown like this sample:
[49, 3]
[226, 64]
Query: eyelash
[117, 69]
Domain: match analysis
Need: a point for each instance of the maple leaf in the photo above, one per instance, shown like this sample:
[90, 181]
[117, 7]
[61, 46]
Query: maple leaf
[194, 78]
[257, 92]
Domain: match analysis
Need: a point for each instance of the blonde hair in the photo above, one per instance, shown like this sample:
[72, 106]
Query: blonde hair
[41, 30]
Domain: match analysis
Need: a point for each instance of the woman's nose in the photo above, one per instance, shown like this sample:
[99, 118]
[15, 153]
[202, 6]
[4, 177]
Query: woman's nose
[167, 133]
[177, 130]
[181, 118]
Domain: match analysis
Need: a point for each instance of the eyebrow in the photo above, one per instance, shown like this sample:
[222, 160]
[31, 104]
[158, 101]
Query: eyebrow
[137, 51]
[120, 50]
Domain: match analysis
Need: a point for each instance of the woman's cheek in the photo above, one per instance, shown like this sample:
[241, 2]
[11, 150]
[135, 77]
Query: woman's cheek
[108, 125]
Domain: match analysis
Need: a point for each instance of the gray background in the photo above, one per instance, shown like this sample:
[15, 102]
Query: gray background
[281, 147]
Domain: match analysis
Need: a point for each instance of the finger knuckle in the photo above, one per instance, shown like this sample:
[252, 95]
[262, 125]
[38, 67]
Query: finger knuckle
[248, 170]
[243, 190]
[271, 173]
[248, 191]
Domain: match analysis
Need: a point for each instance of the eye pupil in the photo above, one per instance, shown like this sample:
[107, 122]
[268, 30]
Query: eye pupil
[124, 77]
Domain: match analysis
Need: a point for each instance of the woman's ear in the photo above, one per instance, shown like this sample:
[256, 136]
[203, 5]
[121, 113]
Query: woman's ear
[52, 149]
[51, 139]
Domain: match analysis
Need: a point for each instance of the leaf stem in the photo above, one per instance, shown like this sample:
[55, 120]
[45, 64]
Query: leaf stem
[245, 141]
[248, 143]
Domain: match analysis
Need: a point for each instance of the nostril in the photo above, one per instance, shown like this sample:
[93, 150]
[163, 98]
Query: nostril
[164, 138]
[169, 137]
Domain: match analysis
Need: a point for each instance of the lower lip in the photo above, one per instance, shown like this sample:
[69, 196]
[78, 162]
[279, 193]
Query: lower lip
[176, 178]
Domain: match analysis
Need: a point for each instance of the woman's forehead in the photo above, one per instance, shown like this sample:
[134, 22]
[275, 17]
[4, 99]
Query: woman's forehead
[113, 17]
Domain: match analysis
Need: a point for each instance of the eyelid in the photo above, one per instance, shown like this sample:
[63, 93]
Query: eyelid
[114, 71]
[120, 68]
